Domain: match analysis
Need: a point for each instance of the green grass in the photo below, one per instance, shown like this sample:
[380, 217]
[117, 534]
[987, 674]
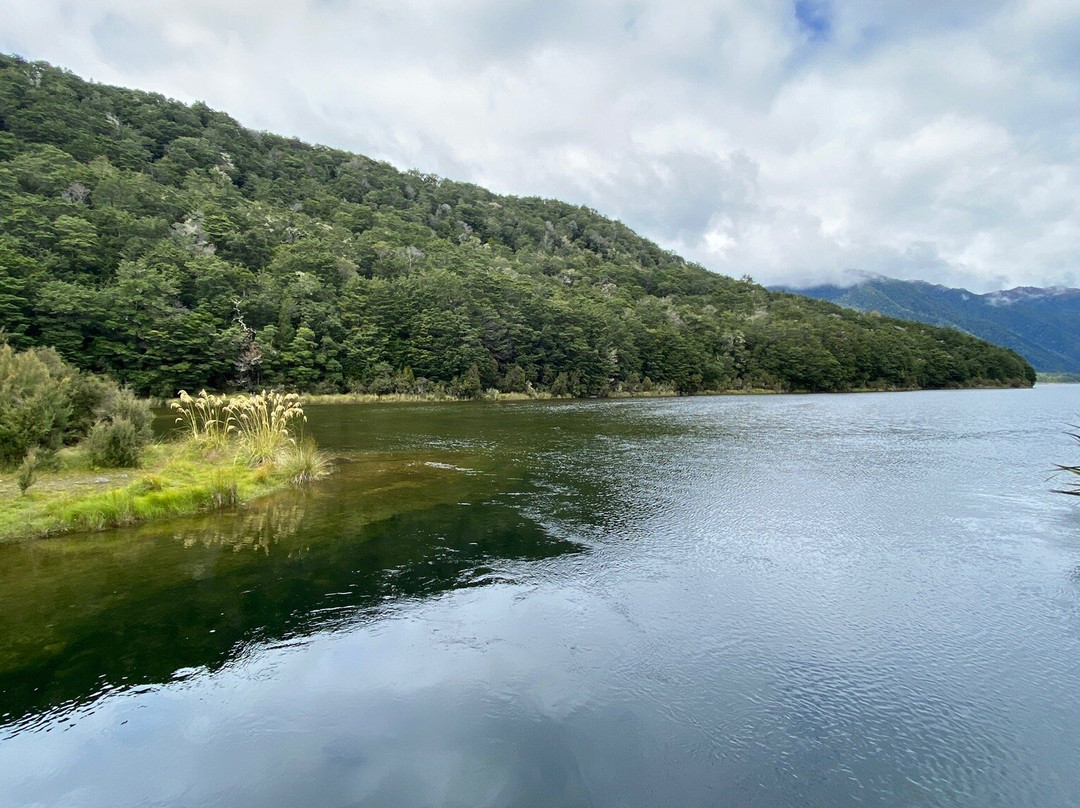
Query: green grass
[175, 479]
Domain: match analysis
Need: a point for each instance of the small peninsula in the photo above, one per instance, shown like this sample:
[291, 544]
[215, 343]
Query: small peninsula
[77, 451]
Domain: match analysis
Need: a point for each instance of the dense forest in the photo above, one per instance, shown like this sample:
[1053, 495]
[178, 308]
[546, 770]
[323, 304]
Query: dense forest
[170, 247]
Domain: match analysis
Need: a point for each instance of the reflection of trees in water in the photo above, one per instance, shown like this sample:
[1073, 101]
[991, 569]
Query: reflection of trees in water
[197, 598]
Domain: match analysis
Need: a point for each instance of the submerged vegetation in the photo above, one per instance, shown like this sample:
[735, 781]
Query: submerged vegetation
[89, 464]
[170, 247]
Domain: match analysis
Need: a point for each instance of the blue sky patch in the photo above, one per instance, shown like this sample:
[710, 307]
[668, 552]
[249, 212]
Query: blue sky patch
[813, 17]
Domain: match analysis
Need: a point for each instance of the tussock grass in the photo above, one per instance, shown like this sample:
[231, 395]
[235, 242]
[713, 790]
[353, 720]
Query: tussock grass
[203, 417]
[305, 462]
[262, 424]
[258, 426]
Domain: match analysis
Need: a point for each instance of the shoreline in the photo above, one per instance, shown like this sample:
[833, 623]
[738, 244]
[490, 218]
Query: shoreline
[431, 398]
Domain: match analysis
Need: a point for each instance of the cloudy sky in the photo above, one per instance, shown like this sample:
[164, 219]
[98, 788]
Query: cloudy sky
[792, 140]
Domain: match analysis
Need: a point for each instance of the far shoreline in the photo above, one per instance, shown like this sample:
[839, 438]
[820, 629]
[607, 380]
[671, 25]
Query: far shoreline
[328, 399]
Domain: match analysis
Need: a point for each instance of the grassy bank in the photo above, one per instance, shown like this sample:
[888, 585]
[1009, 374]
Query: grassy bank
[174, 479]
[1058, 378]
[233, 450]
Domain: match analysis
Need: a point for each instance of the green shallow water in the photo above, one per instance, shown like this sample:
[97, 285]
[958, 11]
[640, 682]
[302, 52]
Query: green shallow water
[804, 600]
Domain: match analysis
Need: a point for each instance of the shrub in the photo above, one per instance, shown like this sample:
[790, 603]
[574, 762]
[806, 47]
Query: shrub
[27, 471]
[114, 444]
[34, 403]
[121, 432]
[45, 403]
[468, 386]
[514, 381]
[121, 404]
[87, 394]
[561, 386]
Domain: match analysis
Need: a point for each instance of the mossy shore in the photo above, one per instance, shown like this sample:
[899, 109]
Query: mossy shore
[173, 479]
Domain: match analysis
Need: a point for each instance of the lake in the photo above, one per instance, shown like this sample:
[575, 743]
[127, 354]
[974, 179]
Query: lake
[867, 600]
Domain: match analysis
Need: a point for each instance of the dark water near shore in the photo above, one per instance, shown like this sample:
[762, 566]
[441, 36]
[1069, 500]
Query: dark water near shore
[783, 601]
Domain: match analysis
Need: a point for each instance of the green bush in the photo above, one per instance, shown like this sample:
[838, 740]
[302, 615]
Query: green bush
[27, 471]
[35, 408]
[121, 404]
[114, 444]
[122, 430]
[88, 393]
[46, 403]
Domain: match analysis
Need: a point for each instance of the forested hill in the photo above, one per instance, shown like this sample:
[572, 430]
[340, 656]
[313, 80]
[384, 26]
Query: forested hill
[1042, 325]
[173, 248]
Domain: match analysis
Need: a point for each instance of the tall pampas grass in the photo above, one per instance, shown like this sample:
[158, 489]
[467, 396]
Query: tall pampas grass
[261, 428]
[203, 418]
[262, 423]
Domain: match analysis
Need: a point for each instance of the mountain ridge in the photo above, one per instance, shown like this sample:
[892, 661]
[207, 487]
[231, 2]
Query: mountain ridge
[1042, 324]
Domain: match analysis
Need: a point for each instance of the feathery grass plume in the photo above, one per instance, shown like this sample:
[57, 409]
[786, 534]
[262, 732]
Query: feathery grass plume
[203, 418]
[262, 423]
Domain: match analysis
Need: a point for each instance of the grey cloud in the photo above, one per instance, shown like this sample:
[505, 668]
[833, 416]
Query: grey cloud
[128, 45]
[683, 193]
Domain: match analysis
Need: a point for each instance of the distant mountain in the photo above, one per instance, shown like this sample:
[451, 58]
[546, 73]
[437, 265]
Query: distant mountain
[1042, 325]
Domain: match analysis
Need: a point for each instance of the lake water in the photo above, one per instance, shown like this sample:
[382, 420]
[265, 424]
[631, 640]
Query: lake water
[867, 600]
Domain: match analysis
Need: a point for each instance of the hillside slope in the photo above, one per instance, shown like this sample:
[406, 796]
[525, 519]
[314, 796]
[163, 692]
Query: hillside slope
[1042, 325]
[173, 248]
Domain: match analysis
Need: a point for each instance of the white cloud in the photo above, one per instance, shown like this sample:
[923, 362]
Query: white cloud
[916, 138]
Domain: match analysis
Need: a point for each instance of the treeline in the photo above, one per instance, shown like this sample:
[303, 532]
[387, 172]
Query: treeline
[172, 248]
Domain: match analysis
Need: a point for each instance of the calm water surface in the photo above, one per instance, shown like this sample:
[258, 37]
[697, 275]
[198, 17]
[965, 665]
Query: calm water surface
[866, 600]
